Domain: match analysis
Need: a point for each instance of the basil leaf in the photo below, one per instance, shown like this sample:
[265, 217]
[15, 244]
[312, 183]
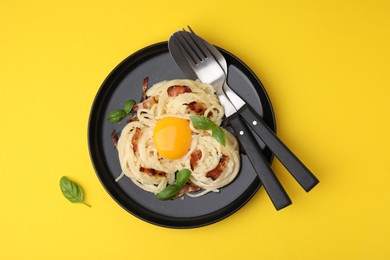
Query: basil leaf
[202, 122]
[116, 116]
[129, 106]
[169, 192]
[182, 177]
[219, 135]
[205, 123]
[72, 191]
[172, 190]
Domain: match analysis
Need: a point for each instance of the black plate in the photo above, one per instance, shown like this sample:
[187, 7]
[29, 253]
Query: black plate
[124, 83]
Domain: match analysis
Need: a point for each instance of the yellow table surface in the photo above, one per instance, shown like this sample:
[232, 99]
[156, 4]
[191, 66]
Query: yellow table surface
[325, 66]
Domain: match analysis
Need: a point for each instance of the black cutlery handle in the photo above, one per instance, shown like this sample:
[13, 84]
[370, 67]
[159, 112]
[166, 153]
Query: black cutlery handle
[297, 169]
[255, 155]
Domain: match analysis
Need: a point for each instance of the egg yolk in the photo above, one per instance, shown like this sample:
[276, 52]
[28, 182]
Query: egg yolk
[172, 137]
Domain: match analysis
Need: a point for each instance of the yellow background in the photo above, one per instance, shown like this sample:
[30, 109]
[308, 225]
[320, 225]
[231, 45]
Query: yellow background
[325, 65]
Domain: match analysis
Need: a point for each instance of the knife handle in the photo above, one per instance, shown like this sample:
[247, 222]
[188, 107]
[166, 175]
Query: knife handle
[255, 155]
[297, 169]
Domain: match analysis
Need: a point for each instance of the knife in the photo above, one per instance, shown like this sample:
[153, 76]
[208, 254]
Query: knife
[255, 155]
[298, 170]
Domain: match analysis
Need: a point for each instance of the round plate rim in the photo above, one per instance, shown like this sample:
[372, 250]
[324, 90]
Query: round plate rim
[175, 222]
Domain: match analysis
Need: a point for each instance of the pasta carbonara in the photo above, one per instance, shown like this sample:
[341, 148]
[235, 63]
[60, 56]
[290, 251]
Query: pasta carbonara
[212, 164]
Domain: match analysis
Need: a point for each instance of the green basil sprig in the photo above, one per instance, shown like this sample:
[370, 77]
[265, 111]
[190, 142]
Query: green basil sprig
[169, 192]
[117, 115]
[205, 123]
[219, 135]
[182, 177]
[172, 190]
[72, 191]
[129, 106]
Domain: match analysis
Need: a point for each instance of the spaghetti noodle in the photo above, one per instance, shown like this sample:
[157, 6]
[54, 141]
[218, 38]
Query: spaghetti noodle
[213, 165]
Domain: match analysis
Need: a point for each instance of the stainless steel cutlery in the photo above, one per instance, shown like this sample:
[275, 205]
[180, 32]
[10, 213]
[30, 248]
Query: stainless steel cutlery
[196, 57]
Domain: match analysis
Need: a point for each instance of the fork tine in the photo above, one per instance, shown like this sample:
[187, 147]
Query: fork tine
[199, 43]
[191, 51]
[189, 28]
[196, 37]
[194, 46]
[189, 56]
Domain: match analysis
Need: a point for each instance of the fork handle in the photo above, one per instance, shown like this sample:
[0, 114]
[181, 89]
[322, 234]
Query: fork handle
[297, 169]
[255, 155]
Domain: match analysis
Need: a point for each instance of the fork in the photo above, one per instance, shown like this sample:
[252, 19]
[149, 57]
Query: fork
[298, 170]
[193, 58]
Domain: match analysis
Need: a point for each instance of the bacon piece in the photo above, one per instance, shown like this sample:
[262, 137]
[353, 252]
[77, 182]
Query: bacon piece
[136, 136]
[194, 158]
[114, 137]
[145, 102]
[174, 91]
[132, 119]
[153, 172]
[198, 108]
[148, 103]
[188, 187]
[216, 172]
[144, 88]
